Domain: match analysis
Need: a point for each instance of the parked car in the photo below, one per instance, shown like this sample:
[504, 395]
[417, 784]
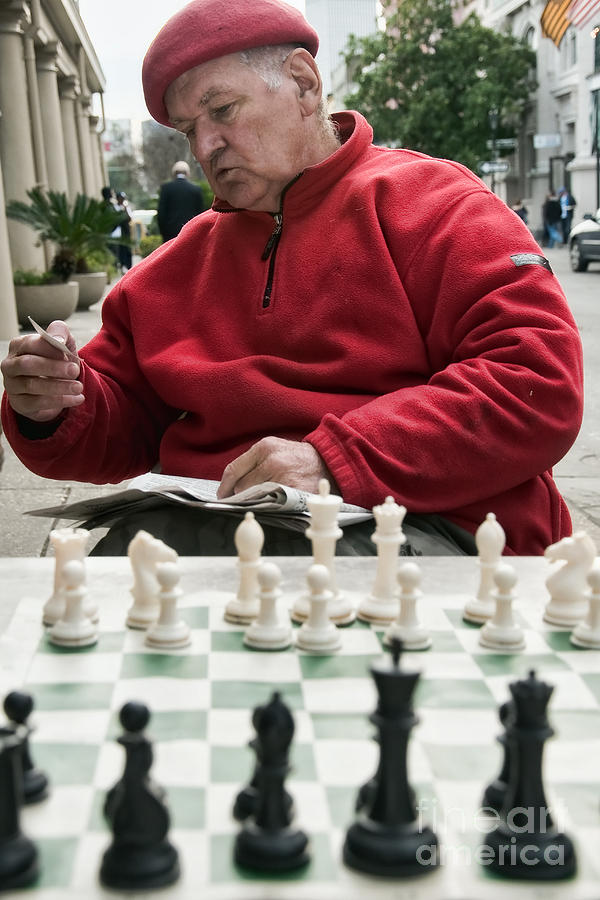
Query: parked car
[584, 242]
[141, 220]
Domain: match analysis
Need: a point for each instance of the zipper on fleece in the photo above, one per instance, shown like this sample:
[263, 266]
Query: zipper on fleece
[272, 244]
[269, 253]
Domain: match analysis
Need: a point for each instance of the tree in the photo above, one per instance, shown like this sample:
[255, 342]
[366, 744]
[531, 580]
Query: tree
[428, 84]
[124, 175]
[162, 147]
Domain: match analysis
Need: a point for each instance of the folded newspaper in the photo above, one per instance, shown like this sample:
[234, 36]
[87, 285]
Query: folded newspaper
[275, 503]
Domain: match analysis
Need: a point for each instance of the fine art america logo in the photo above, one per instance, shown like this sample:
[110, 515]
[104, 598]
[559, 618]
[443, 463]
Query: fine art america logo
[519, 822]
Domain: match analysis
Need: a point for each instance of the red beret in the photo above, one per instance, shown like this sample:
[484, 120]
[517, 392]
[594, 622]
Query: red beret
[207, 29]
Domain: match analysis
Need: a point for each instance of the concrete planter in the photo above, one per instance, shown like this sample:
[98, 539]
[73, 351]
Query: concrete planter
[91, 287]
[45, 302]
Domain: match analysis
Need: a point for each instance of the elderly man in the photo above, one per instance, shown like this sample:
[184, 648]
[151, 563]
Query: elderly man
[314, 323]
[179, 201]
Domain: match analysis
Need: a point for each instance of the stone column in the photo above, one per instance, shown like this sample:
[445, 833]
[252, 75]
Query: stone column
[56, 163]
[68, 88]
[16, 149]
[85, 149]
[9, 327]
[96, 164]
[35, 114]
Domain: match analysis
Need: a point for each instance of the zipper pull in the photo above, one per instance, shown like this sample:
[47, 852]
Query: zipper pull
[274, 236]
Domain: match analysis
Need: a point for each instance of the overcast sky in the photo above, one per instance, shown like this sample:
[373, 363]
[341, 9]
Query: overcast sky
[121, 31]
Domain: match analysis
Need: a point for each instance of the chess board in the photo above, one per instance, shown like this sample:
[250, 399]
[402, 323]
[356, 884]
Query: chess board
[202, 699]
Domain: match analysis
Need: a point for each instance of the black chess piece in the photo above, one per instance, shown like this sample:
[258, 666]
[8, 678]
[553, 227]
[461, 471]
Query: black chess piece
[18, 706]
[526, 844]
[495, 793]
[246, 802]
[19, 864]
[267, 841]
[387, 838]
[140, 856]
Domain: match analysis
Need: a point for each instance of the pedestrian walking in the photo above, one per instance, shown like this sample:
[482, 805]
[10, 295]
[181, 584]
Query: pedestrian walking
[178, 202]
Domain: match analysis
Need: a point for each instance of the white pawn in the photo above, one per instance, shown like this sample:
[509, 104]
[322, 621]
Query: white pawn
[587, 633]
[67, 543]
[381, 606]
[502, 632]
[269, 631]
[407, 626]
[567, 583]
[169, 632]
[318, 634]
[249, 539]
[324, 532]
[490, 539]
[75, 628]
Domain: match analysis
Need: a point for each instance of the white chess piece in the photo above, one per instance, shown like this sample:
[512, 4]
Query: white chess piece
[407, 626]
[144, 552]
[587, 633]
[318, 634]
[490, 540]
[567, 583]
[324, 532]
[169, 632]
[75, 628]
[68, 543]
[502, 632]
[381, 606]
[249, 539]
[270, 630]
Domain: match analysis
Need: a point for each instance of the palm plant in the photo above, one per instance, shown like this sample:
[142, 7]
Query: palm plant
[76, 230]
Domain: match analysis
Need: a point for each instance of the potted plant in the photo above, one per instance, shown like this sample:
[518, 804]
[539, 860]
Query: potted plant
[100, 270]
[77, 230]
[44, 298]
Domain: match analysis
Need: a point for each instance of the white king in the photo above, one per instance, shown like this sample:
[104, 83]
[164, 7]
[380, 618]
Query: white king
[381, 606]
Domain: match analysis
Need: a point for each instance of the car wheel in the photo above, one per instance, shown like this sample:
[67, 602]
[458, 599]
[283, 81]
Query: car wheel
[578, 262]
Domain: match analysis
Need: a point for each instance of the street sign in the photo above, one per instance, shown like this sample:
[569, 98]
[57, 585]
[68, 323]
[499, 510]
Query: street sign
[502, 144]
[542, 141]
[496, 165]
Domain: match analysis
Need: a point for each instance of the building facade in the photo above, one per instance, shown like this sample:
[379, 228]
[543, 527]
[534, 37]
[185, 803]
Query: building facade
[334, 21]
[557, 145]
[49, 136]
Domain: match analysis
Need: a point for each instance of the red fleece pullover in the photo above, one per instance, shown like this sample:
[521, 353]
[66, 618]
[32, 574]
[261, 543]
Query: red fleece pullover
[404, 322]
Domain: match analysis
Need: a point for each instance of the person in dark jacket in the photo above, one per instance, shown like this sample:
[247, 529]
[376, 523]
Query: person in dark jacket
[178, 202]
[551, 213]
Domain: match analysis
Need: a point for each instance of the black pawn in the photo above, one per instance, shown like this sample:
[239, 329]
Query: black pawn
[19, 864]
[268, 842]
[140, 857]
[386, 838]
[526, 844]
[18, 707]
[495, 793]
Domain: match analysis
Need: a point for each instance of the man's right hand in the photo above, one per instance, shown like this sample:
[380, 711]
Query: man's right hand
[39, 382]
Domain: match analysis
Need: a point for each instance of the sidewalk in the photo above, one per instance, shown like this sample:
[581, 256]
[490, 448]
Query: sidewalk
[20, 490]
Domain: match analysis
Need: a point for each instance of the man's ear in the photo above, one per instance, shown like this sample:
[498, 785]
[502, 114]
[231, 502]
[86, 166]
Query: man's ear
[305, 72]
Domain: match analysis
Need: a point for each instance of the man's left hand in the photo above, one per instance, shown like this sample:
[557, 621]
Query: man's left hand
[294, 463]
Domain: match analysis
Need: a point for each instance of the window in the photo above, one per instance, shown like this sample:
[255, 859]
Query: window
[568, 49]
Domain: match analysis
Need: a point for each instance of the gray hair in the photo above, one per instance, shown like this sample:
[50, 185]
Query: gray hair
[268, 62]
